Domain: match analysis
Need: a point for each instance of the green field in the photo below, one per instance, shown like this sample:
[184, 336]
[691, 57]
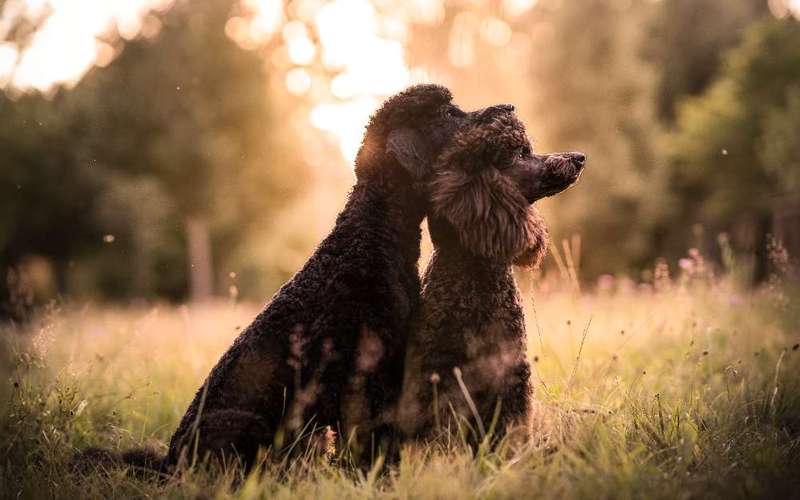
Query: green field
[683, 389]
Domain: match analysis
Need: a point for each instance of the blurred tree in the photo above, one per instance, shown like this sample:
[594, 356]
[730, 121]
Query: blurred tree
[687, 40]
[589, 89]
[592, 91]
[734, 147]
[779, 150]
[195, 115]
[176, 156]
[181, 154]
[47, 198]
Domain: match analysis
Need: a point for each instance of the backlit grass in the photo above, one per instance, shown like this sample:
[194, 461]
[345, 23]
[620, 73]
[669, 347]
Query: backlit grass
[689, 388]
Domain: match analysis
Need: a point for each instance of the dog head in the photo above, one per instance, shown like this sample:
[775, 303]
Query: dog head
[485, 185]
[411, 130]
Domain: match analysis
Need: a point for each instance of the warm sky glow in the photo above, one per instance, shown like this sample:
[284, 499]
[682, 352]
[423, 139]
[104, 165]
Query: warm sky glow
[352, 49]
[362, 46]
[371, 64]
[67, 44]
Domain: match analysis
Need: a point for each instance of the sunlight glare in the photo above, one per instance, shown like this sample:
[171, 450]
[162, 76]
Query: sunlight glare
[346, 121]
[67, 44]
[8, 58]
[370, 64]
[461, 49]
[358, 59]
[294, 29]
[426, 11]
[345, 27]
[516, 8]
[298, 81]
[301, 50]
[238, 30]
[268, 17]
[496, 31]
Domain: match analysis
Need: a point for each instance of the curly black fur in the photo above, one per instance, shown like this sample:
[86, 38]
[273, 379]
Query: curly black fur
[470, 322]
[329, 347]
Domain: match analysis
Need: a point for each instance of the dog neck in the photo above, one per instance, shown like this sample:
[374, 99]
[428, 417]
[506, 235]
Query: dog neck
[392, 210]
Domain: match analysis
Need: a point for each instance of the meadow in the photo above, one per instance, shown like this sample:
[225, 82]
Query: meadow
[684, 387]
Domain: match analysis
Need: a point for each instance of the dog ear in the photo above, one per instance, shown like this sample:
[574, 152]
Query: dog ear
[490, 216]
[411, 150]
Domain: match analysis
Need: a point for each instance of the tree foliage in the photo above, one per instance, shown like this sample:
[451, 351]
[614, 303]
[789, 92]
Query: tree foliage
[686, 41]
[592, 91]
[688, 111]
[733, 146]
[733, 151]
[101, 179]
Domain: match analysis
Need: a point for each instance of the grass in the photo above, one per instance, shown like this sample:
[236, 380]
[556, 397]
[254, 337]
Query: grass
[689, 388]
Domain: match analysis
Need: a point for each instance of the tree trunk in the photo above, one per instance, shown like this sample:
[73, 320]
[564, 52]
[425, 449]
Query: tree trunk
[761, 264]
[201, 273]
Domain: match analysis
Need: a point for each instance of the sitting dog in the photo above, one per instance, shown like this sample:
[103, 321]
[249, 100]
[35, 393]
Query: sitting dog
[328, 349]
[467, 349]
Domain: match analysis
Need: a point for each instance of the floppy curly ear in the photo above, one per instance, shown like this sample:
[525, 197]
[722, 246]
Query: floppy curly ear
[490, 216]
[411, 150]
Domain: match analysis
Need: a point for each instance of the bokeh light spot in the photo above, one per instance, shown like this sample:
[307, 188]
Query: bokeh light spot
[298, 81]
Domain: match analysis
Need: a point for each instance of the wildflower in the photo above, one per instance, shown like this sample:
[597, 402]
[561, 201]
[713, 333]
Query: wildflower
[661, 279]
[605, 283]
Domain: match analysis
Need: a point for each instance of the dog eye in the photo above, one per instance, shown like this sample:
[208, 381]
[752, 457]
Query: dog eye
[454, 112]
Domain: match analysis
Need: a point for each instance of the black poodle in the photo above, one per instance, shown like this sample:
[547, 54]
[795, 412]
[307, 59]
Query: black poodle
[328, 349]
[467, 348]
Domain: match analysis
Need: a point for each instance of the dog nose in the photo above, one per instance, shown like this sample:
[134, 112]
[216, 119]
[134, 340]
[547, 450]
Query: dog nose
[579, 159]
